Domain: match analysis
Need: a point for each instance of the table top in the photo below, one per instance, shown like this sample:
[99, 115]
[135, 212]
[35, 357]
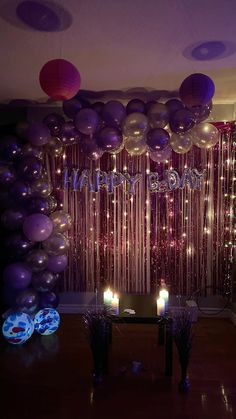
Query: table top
[139, 319]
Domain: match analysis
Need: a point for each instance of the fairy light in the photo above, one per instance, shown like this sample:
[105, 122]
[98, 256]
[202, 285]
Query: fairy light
[125, 214]
[131, 199]
[125, 168]
[94, 199]
[58, 171]
[184, 234]
[186, 201]
[147, 171]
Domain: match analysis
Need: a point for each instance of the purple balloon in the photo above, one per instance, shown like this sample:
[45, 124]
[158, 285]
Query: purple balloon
[7, 175]
[10, 148]
[41, 205]
[135, 105]
[196, 90]
[17, 245]
[87, 121]
[157, 139]
[174, 105]
[38, 134]
[91, 149]
[69, 134]
[98, 107]
[20, 191]
[58, 263]
[17, 275]
[72, 107]
[181, 121]
[27, 301]
[54, 122]
[44, 281]
[12, 219]
[48, 300]
[114, 114]
[37, 227]
[30, 168]
[109, 139]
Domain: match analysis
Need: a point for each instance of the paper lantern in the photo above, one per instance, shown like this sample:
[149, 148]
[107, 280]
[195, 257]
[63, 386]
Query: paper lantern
[46, 321]
[196, 90]
[17, 328]
[59, 79]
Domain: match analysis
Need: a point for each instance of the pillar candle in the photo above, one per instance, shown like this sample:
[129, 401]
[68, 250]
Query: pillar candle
[107, 297]
[165, 295]
[160, 306]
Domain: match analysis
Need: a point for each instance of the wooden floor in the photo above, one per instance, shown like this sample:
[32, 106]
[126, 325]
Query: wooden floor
[50, 377]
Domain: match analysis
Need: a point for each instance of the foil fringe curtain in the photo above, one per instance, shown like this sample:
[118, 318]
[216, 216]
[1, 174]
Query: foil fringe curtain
[131, 242]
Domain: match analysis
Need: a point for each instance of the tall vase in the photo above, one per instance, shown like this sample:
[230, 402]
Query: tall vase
[184, 382]
[100, 352]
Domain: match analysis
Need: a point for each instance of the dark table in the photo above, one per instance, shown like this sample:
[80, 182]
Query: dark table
[165, 337]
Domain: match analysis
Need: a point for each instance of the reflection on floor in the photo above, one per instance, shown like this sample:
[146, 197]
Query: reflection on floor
[50, 377]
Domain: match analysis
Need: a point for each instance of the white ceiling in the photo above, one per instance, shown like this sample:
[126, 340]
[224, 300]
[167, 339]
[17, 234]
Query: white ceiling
[119, 44]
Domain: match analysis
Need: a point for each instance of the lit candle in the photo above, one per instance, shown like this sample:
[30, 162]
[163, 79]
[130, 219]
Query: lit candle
[107, 297]
[115, 305]
[164, 294]
[160, 306]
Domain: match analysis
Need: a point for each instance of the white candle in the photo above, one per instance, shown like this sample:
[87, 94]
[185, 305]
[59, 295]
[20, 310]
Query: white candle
[107, 297]
[160, 306]
[164, 294]
[115, 305]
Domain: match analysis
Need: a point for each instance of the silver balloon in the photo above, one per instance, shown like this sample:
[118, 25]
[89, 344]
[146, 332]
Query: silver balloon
[118, 149]
[27, 301]
[56, 244]
[61, 221]
[136, 146]
[41, 188]
[161, 155]
[54, 147]
[205, 135]
[158, 115]
[29, 150]
[181, 143]
[44, 281]
[37, 260]
[135, 125]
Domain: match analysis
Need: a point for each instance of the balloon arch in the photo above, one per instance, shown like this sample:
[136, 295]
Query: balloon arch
[36, 241]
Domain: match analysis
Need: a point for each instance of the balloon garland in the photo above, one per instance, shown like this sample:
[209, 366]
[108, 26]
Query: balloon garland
[36, 240]
[156, 127]
[35, 231]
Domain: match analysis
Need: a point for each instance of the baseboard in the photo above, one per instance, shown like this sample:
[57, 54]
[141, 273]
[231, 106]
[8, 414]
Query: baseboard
[76, 308]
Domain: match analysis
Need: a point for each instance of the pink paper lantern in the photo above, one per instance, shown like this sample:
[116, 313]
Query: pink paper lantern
[59, 79]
